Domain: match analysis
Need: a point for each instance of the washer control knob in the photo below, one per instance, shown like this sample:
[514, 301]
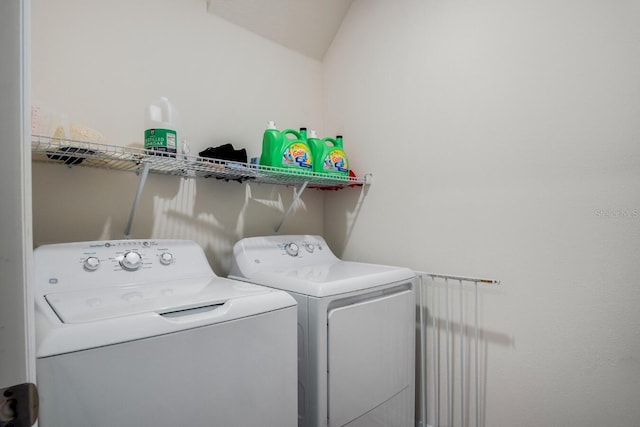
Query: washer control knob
[166, 258]
[309, 247]
[131, 261]
[291, 249]
[92, 263]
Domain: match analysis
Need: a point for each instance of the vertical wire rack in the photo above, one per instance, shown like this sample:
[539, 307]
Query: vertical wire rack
[446, 397]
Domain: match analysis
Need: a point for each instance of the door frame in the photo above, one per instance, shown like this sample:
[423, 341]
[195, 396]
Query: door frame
[17, 330]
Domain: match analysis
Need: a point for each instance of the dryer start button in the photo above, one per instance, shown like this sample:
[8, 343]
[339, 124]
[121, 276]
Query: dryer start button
[291, 249]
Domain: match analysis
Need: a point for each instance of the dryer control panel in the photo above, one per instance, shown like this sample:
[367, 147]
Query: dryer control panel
[276, 252]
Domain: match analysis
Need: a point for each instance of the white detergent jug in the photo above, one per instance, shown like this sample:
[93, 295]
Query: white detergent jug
[161, 127]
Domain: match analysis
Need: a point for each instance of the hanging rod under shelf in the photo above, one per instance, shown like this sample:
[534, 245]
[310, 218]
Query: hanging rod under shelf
[98, 155]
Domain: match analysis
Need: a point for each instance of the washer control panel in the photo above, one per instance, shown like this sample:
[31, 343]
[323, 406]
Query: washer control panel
[126, 255]
[90, 264]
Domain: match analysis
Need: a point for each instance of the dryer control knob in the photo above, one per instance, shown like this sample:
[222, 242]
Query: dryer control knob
[166, 258]
[92, 263]
[291, 249]
[309, 247]
[131, 261]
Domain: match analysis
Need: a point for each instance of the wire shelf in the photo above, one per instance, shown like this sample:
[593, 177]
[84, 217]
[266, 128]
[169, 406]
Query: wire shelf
[89, 154]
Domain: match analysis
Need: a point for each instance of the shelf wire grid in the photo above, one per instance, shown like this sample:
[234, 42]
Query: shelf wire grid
[98, 155]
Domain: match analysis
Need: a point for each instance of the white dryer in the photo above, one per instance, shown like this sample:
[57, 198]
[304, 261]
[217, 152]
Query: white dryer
[356, 330]
[143, 333]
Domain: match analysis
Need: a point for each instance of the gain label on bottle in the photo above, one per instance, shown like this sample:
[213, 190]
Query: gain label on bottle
[160, 140]
[297, 154]
[335, 161]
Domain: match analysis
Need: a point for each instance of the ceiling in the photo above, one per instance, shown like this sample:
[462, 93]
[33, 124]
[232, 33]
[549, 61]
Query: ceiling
[306, 26]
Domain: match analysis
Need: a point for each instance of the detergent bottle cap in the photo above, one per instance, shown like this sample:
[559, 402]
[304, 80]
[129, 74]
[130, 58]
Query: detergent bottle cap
[271, 124]
[312, 134]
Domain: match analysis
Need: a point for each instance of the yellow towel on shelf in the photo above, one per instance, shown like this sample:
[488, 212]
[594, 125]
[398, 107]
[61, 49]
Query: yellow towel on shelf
[77, 133]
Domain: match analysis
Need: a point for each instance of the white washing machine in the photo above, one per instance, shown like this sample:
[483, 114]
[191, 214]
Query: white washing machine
[356, 330]
[143, 333]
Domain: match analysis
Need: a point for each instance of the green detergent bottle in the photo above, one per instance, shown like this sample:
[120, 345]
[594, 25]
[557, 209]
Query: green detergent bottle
[329, 157]
[315, 144]
[286, 149]
[271, 138]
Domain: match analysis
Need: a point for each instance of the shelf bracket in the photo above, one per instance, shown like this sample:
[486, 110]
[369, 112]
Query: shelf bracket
[293, 203]
[143, 180]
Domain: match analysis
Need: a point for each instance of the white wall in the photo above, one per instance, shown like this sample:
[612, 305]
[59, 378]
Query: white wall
[103, 62]
[505, 141]
[503, 137]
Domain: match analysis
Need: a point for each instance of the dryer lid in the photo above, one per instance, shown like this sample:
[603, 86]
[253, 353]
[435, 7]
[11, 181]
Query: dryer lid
[329, 279]
[306, 265]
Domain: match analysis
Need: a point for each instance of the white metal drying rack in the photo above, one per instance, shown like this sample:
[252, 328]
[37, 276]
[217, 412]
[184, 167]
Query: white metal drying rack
[141, 161]
[435, 348]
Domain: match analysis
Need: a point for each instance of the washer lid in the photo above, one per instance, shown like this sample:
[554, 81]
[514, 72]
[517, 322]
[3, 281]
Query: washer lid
[165, 297]
[328, 279]
[76, 321]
